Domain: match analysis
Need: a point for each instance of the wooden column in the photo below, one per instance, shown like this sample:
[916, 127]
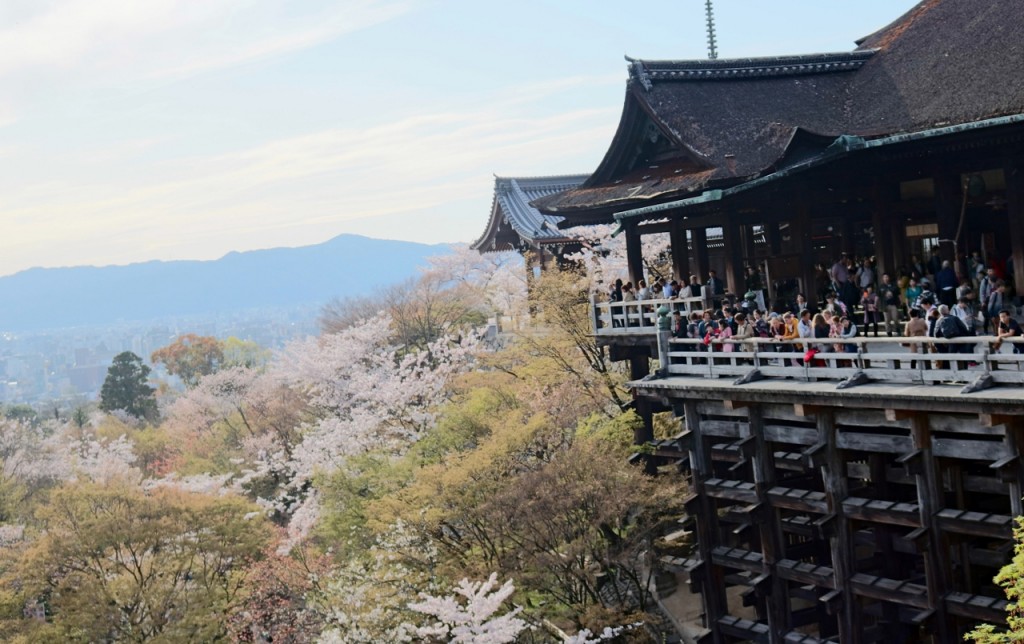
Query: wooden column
[733, 241]
[749, 247]
[700, 253]
[770, 528]
[802, 233]
[881, 217]
[848, 231]
[836, 486]
[634, 253]
[947, 210]
[929, 497]
[680, 252]
[712, 586]
[774, 238]
[898, 234]
[1014, 170]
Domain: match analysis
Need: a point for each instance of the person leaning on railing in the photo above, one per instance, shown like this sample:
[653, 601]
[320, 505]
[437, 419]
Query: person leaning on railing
[1007, 327]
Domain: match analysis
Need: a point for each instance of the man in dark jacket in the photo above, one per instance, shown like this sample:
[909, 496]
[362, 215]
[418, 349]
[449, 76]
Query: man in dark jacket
[950, 327]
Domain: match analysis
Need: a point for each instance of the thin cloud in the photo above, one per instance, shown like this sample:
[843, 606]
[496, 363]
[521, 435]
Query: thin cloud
[298, 188]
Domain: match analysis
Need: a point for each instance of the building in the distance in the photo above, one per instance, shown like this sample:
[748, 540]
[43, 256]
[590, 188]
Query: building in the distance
[517, 226]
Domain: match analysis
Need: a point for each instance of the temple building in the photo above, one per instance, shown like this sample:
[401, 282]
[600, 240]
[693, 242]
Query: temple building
[854, 495]
[867, 151]
[517, 226]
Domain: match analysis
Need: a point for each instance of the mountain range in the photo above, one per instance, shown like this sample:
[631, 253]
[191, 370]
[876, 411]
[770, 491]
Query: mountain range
[347, 265]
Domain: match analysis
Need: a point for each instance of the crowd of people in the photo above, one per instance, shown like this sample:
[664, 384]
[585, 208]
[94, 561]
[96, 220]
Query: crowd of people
[932, 298]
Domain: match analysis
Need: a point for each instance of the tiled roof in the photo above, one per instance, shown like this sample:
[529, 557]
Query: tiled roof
[511, 208]
[691, 126]
[732, 69]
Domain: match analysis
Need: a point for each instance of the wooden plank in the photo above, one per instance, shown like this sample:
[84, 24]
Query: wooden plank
[800, 500]
[969, 450]
[890, 444]
[791, 435]
[799, 571]
[867, 418]
[888, 512]
[724, 428]
[738, 559]
[997, 526]
[891, 590]
[987, 609]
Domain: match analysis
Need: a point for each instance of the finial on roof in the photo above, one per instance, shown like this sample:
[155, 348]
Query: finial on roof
[710, 12]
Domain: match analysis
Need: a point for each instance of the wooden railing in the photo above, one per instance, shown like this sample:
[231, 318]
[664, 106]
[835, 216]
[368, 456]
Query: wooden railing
[636, 318]
[890, 360]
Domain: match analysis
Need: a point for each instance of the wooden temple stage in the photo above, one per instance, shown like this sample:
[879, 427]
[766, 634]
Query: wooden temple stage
[853, 499]
[858, 498]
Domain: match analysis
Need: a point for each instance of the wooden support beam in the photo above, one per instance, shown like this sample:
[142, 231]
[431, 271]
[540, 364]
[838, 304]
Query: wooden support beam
[841, 540]
[734, 405]
[712, 583]
[1013, 170]
[634, 254]
[680, 252]
[948, 197]
[699, 238]
[883, 196]
[804, 411]
[994, 420]
[732, 239]
[930, 493]
[802, 233]
[762, 465]
[896, 415]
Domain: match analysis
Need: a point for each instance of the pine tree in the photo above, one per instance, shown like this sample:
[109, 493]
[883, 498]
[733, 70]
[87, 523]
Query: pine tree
[125, 387]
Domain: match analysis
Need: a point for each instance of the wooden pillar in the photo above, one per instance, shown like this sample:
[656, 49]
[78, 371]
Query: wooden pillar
[749, 247]
[712, 587]
[529, 260]
[634, 253]
[699, 236]
[881, 228]
[836, 486]
[947, 210]
[680, 252]
[1014, 171]
[774, 238]
[898, 233]
[733, 241]
[769, 529]
[848, 231]
[802, 233]
[929, 498]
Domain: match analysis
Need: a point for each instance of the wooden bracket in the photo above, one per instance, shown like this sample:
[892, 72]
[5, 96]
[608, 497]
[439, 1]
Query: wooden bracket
[894, 415]
[735, 405]
[913, 462]
[994, 420]
[803, 410]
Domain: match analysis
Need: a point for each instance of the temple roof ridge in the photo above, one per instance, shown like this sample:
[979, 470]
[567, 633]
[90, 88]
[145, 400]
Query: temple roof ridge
[647, 71]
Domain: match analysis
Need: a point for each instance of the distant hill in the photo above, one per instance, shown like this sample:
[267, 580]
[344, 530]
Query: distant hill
[47, 298]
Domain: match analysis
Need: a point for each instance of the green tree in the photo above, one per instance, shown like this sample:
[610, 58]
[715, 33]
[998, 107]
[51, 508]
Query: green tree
[125, 387]
[191, 357]
[244, 353]
[1011, 579]
[118, 564]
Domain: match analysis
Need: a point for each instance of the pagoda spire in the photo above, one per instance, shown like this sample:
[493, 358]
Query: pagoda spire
[710, 13]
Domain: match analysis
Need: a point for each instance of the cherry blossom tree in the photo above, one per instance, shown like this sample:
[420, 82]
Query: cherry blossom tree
[604, 257]
[471, 614]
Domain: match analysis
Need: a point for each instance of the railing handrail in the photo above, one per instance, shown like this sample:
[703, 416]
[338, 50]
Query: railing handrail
[975, 360]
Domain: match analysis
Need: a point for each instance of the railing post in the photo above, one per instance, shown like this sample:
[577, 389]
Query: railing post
[595, 322]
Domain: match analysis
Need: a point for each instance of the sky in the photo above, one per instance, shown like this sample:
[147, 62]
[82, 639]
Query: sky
[185, 129]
